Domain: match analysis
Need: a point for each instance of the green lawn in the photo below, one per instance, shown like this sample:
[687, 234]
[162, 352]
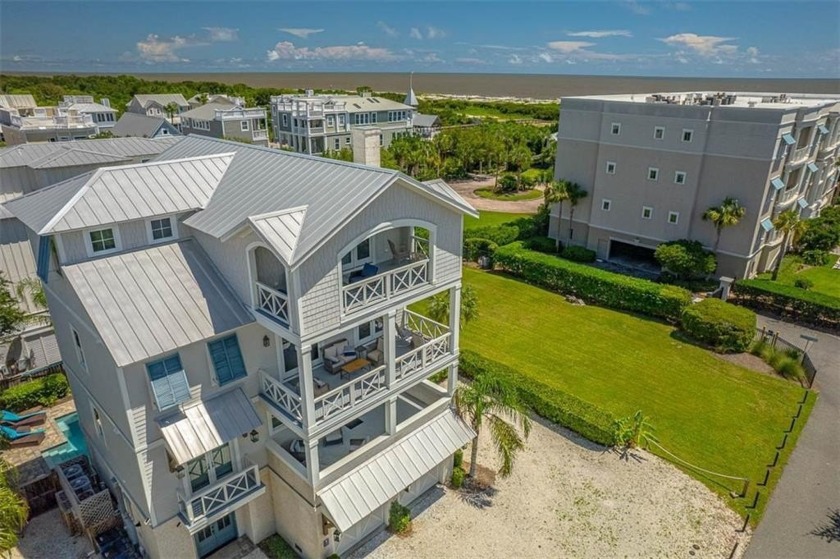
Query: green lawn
[488, 193]
[707, 411]
[826, 279]
[491, 218]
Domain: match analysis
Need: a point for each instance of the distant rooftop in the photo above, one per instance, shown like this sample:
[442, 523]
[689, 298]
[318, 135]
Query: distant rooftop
[719, 98]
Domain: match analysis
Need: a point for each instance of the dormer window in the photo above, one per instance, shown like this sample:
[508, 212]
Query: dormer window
[102, 241]
[161, 229]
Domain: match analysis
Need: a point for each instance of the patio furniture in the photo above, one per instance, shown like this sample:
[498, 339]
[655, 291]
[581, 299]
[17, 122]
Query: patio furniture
[403, 337]
[417, 340]
[22, 438]
[367, 271]
[15, 420]
[400, 255]
[337, 354]
[297, 450]
[334, 438]
[356, 444]
[377, 354]
[354, 366]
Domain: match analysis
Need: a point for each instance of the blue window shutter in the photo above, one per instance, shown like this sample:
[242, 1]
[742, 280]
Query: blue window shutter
[169, 381]
[227, 359]
[43, 264]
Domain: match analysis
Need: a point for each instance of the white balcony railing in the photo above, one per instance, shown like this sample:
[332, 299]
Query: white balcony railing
[385, 286]
[787, 196]
[420, 361]
[260, 134]
[273, 302]
[281, 396]
[350, 395]
[203, 504]
[799, 154]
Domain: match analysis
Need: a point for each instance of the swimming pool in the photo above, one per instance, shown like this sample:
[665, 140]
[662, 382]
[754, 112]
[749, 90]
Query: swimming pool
[75, 445]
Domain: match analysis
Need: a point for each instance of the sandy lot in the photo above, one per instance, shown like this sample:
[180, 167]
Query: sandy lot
[569, 498]
[46, 537]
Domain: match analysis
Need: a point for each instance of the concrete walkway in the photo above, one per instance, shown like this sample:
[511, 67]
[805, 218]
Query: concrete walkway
[803, 517]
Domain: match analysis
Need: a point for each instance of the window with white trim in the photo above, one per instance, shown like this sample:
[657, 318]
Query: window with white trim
[341, 120]
[77, 345]
[161, 229]
[605, 204]
[102, 240]
[673, 218]
[97, 421]
[285, 120]
[347, 140]
[337, 144]
[687, 135]
[658, 132]
[679, 177]
[330, 120]
[610, 167]
[373, 117]
[615, 128]
[653, 174]
[358, 256]
[647, 212]
[244, 126]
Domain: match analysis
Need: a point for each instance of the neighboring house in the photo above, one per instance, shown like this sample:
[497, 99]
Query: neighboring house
[156, 105]
[652, 164]
[425, 126]
[142, 126]
[317, 123]
[235, 325]
[100, 113]
[223, 120]
[27, 168]
[45, 124]
[200, 99]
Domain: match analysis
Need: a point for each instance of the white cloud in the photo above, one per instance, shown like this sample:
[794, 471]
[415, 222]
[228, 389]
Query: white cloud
[636, 7]
[415, 33]
[157, 49]
[431, 58]
[545, 57]
[704, 45]
[435, 33]
[222, 34]
[469, 60]
[387, 29]
[752, 53]
[286, 50]
[568, 47]
[515, 59]
[300, 32]
[599, 34]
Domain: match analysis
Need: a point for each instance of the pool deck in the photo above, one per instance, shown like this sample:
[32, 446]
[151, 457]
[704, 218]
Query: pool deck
[28, 460]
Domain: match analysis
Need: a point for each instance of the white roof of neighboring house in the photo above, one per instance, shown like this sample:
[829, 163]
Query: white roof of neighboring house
[123, 193]
[208, 111]
[353, 103]
[369, 486]
[16, 259]
[152, 301]
[91, 108]
[140, 126]
[39, 345]
[162, 99]
[424, 121]
[29, 154]
[18, 101]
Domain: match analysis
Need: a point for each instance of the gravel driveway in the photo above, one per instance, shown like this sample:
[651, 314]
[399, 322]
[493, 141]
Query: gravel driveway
[466, 190]
[569, 498]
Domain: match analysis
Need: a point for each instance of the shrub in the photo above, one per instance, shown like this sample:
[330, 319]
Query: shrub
[724, 326]
[39, 392]
[799, 305]
[275, 547]
[557, 406]
[458, 459]
[399, 518]
[685, 259]
[457, 479]
[790, 368]
[803, 283]
[578, 254]
[473, 248]
[592, 284]
[500, 234]
[542, 244]
[815, 257]
[508, 183]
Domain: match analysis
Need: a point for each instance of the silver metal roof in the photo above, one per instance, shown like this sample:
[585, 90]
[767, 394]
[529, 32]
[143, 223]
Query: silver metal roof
[28, 154]
[39, 346]
[424, 121]
[162, 99]
[123, 193]
[280, 230]
[76, 157]
[16, 259]
[208, 110]
[139, 126]
[357, 494]
[264, 180]
[149, 302]
[442, 189]
[201, 426]
[18, 101]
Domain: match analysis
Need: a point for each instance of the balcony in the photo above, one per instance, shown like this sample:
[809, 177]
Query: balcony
[385, 285]
[799, 155]
[237, 489]
[270, 294]
[260, 134]
[423, 347]
[786, 197]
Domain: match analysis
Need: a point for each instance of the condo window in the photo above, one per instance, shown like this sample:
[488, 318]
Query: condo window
[341, 120]
[227, 359]
[337, 144]
[97, 421]
[610, 167]
[687, 135]
[653, 174]
[647, 212]
[330, 121]
[77, 344]
[161, 229]
[364, 331]
[102, 240]
[605, 204]
[659, 133]
[679, 177]
[616, 129]
[169, 381]
[373, 117]
[673, 217]
[244, 126]
[285, 120]
[347, 140]
[381, 140]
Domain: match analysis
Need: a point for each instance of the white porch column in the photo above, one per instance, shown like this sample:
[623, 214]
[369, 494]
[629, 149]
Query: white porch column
[391, 416]
[454, 317]
[313, 465]
[390, 334]
[306, 386]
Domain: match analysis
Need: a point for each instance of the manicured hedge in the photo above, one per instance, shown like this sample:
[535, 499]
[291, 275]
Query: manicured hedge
[578, 254]
[44, 391]
[557, 406]
[593, 284]
[542, 244]
[724, 326]
[499, 234]
[805, 307]
[473, 248]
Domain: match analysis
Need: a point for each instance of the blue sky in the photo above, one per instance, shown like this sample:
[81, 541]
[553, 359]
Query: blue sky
[624, 37]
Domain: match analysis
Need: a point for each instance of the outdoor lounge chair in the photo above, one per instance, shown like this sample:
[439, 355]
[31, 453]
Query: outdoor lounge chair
[16, 420]
[398, 255]
[20, 438]
[367, 271]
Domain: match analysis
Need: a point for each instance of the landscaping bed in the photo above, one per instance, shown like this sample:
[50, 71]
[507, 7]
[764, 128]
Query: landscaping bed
[490, 194]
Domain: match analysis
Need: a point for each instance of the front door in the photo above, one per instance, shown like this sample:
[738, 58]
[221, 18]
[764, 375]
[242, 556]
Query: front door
[216, 535]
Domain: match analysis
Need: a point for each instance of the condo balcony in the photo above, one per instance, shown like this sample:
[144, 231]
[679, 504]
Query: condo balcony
[799, 155]
[270, 295]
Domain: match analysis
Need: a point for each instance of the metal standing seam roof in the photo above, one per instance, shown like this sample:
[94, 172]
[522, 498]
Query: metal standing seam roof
[122, 193]
[280, 230]
[208, 110]
[152, 301]
[137, 125]
[76, 157]
[356, 495]
[28, 154]
[16, 259]
[91, 108]
[424, 121]
[264, 180]
[18, 101]
[161, 98]
[207, 424]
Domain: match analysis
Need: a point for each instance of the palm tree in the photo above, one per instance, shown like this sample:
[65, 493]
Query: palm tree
[556, 193]
[789, 224]
[728, 213]
[171, 110]
[439, 306]
[576, 194]
[493, 399]
[14, 510]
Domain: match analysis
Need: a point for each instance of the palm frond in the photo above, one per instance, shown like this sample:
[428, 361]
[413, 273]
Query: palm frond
[507, 441]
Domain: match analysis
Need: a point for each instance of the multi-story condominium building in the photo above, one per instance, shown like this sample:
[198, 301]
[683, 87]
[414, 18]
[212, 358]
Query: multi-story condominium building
[101, 113]
[234, 323]
[652, 164]
[317, 123]
[226, 120]
[141, 126]
[27, 168]
[157, 105]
